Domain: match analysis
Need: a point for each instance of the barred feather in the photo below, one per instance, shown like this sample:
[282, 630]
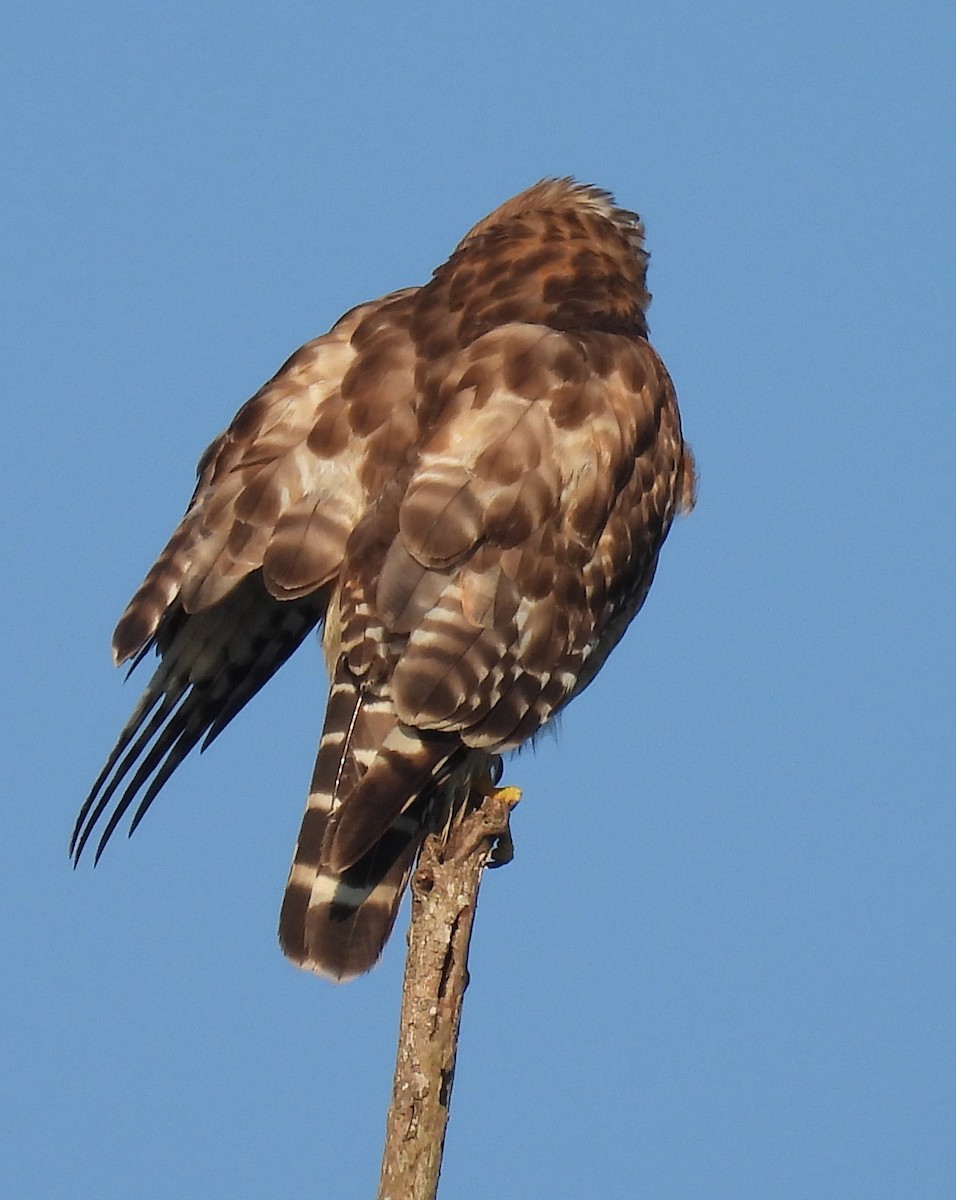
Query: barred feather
[367, 812]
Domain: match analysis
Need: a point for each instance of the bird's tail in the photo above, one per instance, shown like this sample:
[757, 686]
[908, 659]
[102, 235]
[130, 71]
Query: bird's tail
[370, 805]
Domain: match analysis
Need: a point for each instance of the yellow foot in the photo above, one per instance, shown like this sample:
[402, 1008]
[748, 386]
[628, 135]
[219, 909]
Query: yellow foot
[510, 795]
[504, 850]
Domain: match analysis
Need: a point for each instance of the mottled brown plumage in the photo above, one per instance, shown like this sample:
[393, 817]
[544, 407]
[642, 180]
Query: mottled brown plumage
[469, 484]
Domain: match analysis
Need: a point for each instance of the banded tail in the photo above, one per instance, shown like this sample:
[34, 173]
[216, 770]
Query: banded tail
[372, 800]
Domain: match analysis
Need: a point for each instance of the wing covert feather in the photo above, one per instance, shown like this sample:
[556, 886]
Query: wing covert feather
[278, 490]
[516, 528]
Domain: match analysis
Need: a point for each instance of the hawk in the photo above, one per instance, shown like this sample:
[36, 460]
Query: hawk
[466, 486]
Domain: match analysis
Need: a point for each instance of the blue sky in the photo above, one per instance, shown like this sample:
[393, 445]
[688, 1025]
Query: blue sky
[723, 962]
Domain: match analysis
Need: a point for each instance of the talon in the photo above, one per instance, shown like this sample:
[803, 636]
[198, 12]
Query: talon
[504, 850]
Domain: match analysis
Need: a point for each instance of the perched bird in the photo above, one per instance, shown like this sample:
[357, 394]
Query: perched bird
[466, 485]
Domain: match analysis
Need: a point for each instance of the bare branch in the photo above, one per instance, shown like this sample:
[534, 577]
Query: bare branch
[444, 897]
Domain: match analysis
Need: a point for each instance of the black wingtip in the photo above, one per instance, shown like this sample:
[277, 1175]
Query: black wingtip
[184, 702]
